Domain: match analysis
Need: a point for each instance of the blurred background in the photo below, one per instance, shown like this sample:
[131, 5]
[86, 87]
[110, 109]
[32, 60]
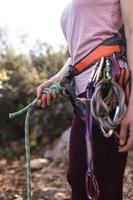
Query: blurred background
[32, 49]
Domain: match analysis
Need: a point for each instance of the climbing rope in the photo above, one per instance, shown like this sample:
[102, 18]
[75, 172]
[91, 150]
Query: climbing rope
[53, 89]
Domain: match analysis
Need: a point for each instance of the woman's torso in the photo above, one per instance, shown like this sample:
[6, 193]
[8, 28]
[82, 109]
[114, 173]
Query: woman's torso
[86, 23]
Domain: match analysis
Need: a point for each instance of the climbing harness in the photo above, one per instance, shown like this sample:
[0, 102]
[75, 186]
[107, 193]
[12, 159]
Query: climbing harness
[108, 93]
[104, 96]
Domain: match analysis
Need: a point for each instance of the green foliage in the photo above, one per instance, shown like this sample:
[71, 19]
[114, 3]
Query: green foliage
[19, 77]
[47, 61]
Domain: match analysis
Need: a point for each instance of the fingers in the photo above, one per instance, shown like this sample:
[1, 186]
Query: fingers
[126, 136]
[43, 101]
[47, 99]
[39, 91]
[46, 84]
[128, 146]
[123, 133]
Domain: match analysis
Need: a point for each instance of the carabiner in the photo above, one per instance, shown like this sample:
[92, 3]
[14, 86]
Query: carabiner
[108, 70]
[99, 70]
[92, 187]
[92, 76]
[110, 132]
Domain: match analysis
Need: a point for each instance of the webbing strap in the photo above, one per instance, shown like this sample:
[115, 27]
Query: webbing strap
[101, 51]
[104, 49]
[86, 62]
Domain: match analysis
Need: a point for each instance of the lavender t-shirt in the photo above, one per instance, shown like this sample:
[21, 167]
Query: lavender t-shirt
[85, 24]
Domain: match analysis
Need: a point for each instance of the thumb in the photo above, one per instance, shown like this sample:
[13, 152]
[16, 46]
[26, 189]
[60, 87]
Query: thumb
[39, 91]
[45, 84]
[123, 133]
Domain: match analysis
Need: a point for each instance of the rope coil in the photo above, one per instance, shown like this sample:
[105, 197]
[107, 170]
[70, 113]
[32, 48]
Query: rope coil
[101, 108]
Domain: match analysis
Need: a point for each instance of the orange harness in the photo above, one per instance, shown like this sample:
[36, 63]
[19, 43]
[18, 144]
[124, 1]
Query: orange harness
[99, 52]
[105, 49]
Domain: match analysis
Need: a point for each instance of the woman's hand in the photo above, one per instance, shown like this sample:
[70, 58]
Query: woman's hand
[46, 99]
[126, 131]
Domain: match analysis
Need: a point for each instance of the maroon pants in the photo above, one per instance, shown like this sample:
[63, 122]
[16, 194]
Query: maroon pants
[109, 164]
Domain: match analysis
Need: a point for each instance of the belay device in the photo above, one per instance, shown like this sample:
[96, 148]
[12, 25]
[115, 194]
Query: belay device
[107, 92]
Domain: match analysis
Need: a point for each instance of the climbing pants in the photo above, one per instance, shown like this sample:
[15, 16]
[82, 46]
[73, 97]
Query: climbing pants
[109, 164]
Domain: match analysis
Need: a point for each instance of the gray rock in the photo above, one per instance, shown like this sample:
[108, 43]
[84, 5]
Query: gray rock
[59, 149]
[39, 163]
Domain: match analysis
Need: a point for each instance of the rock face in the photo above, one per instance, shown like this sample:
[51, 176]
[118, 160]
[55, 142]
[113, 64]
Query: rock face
[58, 152]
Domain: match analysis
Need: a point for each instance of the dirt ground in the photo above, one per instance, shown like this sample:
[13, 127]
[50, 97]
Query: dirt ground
[48, 182]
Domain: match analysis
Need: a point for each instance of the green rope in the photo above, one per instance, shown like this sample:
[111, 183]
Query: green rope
[53, 89]
[32, 104]
[27, 149]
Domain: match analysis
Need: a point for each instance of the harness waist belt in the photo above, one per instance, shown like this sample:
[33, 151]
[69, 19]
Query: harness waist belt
[107, 48]
[101, 51]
